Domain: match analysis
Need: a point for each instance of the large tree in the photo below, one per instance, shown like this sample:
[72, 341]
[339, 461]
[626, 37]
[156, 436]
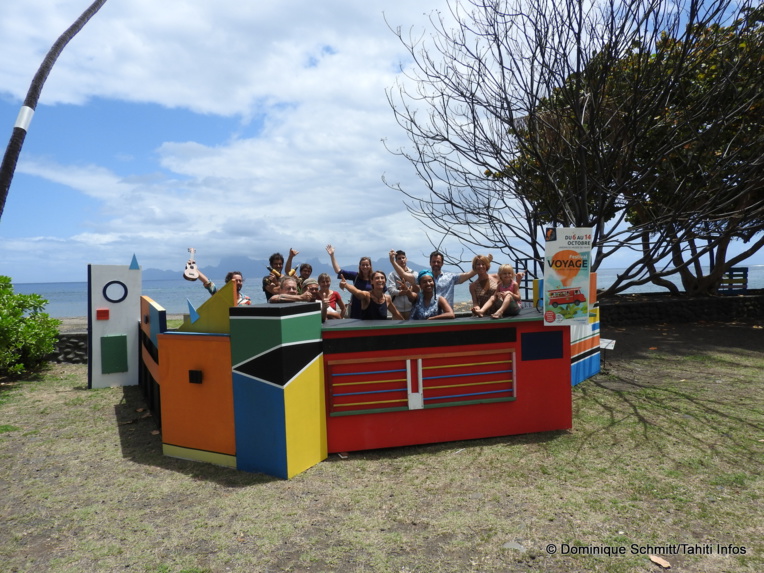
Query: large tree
[639, 118]
[13, 149]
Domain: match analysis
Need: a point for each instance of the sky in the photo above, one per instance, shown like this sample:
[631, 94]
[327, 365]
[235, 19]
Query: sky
[236, 128]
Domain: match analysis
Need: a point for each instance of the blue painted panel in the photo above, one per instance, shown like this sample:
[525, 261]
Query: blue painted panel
[584, 369]
[260, 422]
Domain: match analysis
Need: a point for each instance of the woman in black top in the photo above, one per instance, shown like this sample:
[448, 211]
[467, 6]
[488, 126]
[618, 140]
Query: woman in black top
[374, 304]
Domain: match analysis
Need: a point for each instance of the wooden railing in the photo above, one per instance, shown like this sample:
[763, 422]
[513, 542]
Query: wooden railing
[734, 281]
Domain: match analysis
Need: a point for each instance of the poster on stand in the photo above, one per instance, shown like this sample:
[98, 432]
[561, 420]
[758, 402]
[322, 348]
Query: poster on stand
[566, 275]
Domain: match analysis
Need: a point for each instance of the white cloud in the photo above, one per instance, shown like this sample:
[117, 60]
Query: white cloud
[223, 57]
[305, 83]
[306, 79]
[93, 180]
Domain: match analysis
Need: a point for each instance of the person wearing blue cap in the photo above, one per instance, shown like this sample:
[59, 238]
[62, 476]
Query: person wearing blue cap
[427, 304]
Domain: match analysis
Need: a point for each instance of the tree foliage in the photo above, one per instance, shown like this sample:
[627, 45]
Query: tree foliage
[27, 334]
[641, 119]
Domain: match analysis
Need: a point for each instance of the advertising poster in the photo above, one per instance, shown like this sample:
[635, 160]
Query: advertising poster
[566, 275]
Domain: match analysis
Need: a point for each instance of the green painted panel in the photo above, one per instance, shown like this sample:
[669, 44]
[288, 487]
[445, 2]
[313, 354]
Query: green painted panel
[253, 336]
[301, 327]
[113, 353]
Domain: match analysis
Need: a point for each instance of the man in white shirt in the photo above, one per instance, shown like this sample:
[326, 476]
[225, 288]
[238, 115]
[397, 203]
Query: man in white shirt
[444, 282]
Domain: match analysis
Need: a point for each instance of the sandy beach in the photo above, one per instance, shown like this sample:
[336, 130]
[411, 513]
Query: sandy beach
[80, 323]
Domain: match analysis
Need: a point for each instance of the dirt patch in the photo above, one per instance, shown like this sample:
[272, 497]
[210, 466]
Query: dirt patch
[685, 338]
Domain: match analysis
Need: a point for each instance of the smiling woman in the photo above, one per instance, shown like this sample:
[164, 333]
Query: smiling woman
[373, 304]
[427, 305]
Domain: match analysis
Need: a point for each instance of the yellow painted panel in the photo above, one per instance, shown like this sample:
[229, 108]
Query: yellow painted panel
[199, 456]
[594, 309]
[213, 314]
[305, 419]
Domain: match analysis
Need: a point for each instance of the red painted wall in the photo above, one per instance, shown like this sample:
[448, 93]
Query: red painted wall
[540, 372]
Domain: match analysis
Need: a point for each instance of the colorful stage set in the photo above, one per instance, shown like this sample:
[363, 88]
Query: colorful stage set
[268, 388]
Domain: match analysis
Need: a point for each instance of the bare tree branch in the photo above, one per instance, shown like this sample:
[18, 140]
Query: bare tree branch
[633, 117]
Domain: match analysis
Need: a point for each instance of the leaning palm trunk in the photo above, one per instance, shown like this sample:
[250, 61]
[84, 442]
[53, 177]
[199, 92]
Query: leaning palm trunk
[13, 150]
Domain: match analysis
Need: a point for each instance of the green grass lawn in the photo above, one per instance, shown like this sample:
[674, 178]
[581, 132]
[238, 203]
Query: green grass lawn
[665, 450]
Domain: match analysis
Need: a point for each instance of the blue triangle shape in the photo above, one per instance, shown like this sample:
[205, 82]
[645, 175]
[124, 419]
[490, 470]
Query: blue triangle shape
[134, 264]
[193, 315]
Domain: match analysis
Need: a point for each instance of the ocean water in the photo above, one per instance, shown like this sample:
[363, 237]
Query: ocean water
[70, 299]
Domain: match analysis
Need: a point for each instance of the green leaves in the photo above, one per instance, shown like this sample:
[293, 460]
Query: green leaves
[27, 334]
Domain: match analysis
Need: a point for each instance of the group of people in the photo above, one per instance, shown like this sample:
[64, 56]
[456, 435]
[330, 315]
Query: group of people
[403, 293]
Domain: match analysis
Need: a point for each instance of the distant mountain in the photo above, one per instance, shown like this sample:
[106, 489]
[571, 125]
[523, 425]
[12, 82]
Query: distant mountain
[253, 268]
[160, 275]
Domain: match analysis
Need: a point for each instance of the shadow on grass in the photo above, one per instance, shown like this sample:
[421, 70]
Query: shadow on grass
[141, 442]
[449, 447]
[637, 342]
[11, 382]
[681, 379]
[720, 422]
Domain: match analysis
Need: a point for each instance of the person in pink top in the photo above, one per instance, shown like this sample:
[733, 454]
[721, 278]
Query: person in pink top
[506, 301]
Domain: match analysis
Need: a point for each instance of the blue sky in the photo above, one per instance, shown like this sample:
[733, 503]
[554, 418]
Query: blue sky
[233, 127]
[238, 128]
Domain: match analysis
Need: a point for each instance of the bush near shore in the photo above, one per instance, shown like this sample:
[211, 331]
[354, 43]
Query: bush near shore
[27, 334]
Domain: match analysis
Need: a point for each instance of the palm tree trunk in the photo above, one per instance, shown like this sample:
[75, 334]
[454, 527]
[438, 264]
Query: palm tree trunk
[12, 152]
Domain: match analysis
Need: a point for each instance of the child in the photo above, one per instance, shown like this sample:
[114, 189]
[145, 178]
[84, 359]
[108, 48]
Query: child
[507, 297]
[331, 297]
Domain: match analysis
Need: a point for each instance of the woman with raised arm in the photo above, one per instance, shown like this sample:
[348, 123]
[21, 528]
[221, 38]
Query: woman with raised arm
[361, 279]
[373, 304]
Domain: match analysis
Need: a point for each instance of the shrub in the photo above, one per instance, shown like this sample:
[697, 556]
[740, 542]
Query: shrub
[27, 335]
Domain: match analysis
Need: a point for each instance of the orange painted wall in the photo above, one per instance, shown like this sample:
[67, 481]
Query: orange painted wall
[198, 416]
